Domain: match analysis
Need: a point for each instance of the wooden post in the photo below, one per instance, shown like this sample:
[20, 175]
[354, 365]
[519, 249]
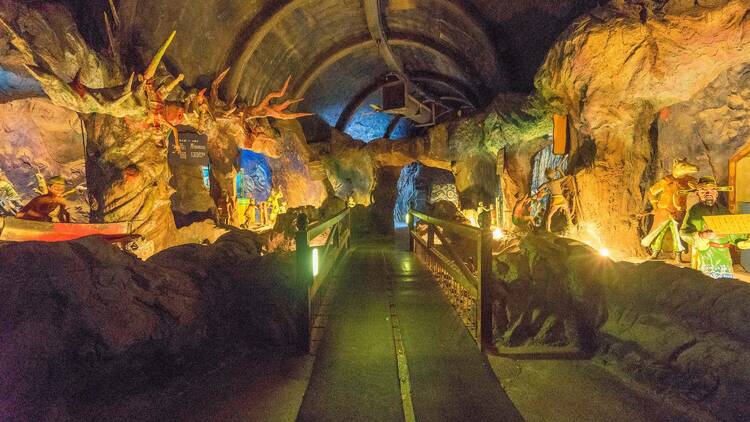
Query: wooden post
[430, 236]
[304, 280]
[484, 276]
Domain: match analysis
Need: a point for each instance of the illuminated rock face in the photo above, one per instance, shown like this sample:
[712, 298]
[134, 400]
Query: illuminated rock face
[674, 329]
[710, 127]
[613, 71]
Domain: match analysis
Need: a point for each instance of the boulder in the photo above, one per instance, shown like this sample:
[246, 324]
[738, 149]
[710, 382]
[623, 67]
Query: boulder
[76, 313]
[674, 330]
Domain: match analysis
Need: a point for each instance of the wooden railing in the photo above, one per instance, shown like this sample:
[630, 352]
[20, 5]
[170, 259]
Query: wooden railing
[445, 261]
[315, 262]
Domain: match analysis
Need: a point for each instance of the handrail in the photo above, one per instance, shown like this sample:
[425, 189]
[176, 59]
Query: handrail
[458, 228]
[317, 228]
[452, 265]
[326, 256]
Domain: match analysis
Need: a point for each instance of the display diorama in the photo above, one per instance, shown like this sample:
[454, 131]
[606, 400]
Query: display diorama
[154, 164]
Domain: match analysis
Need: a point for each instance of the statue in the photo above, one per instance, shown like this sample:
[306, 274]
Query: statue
[557, 200]
[10, 202]
[275, 205]
[40, 208]
[522, 212]
[668, 203]
[710, 251]
[250, 217]
[225, 208]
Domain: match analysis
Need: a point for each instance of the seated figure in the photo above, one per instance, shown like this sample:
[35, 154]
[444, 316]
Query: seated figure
[40, 208]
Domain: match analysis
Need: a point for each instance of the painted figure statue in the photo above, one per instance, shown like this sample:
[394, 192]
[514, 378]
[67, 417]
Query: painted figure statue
[557, 200]
[10, 202]
[522, 212]
[276, 206]
[225, 208]
[40, 208]
[710, 251]
[250, 217]
[668, 200]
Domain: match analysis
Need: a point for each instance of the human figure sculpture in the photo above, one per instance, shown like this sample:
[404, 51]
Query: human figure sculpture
[40, 208]
[668, 200]
[276, 205]
[250, 217]
[522, 212]
[557, 200]
[225, 207]
[710, 251]
[263, 206]
[10, 202]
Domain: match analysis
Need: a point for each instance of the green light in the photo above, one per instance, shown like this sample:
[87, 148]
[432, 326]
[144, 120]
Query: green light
[408, 218]
[315, 265]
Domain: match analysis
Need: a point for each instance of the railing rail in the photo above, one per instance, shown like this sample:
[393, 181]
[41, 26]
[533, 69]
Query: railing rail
[315, 263]
[444, 260]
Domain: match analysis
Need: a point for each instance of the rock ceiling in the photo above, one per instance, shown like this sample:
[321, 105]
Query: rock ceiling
[470, 49]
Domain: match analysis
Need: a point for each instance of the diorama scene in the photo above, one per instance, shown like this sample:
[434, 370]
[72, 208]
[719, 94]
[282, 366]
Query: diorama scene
[375, 210]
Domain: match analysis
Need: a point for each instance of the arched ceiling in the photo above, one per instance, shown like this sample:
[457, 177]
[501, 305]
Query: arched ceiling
[464, 51]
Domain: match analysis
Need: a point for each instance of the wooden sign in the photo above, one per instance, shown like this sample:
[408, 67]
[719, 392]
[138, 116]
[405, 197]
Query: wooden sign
[729, 224]
[193, 149]
[560, 134]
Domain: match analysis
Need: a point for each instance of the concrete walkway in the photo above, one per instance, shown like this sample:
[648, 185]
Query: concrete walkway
[387, 302]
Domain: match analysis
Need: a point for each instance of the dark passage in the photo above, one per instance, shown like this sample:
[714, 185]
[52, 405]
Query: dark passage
[356, 372]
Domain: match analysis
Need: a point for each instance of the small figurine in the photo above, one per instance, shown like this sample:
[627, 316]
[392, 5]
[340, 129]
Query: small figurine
[263, 208]
[40, 208]
[250, 217]
[557, 201]
[668, 199]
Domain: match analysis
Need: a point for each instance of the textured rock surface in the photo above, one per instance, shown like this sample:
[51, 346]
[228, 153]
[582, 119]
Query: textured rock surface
[710, 127]
[681, 333]
[415, 185]
[86, 311]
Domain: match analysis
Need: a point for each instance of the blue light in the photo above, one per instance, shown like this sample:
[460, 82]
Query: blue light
[255, 177]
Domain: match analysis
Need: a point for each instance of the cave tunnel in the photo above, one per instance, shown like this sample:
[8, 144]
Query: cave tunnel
[420, 210]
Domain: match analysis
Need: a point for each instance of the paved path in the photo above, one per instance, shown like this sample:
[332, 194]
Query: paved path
[386, 294]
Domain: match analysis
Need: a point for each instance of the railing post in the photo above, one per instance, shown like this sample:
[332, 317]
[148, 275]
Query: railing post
[484, 275]
[430, 236]
[410, 224]
[304, 280]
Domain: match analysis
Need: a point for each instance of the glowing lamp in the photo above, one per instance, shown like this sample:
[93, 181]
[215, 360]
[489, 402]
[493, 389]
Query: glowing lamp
[497, 234]
[315, 262]
[604, 252]
[473, 221]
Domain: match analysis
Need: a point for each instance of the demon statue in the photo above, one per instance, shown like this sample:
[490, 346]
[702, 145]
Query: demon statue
[668, 201]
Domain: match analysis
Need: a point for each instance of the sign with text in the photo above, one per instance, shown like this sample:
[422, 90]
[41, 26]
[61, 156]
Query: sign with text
[193, 149]
[729, 224]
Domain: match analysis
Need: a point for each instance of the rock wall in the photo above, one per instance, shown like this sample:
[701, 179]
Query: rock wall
[612, 72]
[86, 311]
[673, 329]
[710, 127]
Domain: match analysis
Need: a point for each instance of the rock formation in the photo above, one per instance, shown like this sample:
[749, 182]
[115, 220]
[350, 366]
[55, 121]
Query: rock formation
[673, 329]
[613, 71]
[90, 312]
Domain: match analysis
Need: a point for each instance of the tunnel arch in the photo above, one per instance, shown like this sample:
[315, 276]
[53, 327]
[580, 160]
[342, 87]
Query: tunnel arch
[447, 32]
